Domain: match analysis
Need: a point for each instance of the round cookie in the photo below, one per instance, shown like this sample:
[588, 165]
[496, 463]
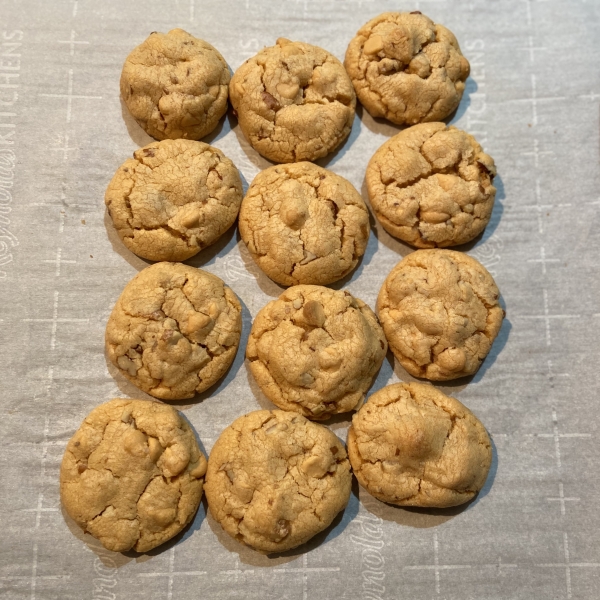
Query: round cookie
[406, 68]
[304, 224]
[132, 474]
[275, 480]
[173, 199]
[440, 313]
[293, 101]
[431, 186]
[174, 330]
[175, 85]
[411, 445]
[316, 351]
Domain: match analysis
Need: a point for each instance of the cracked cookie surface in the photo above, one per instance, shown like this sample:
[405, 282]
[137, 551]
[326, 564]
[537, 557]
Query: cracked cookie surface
[175, 85]
[132, 474]
[173, 199]
[411, 445]
[440, 313]
[275, 480]
[174, 330]
[316, 351]
[431, 186]
[293, 101]
[406, 68]
[304, 224]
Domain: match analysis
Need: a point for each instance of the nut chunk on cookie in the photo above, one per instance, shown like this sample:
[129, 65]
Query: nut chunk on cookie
[406, 68]
[304, 224]
[316, 351]
[431, 186]
[174, 330]
[132, 474]
[173, 199]
[293, 101]
[175, 86]
[440, 313]
[275, 480]
[411, 445]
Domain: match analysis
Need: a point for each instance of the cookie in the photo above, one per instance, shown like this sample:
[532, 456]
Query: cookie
[411, 445]
[275, 480]
[304, 224]
[431, 186]
[132, 474]
[316, 351]
[293, 101]
[440, 313]
[174, 330]
[173, 199]
[407, 69]
[175, 85]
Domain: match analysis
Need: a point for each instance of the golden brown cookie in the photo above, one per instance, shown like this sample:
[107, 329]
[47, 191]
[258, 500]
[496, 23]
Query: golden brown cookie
[304, 224]
[132, 474]
[173, 199]
[275, 480]
[411, 445]
[431, 186]
[174, 330]
[406, 68]
[440, 313]
[293, 101]
[316, 351]
[175, 85]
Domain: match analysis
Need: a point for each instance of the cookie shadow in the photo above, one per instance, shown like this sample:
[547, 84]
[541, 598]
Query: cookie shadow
[463, 105]
[335, 423]
[183, 535]
[491, 227]
[220, 248]
[496, 349]
[124, 385]
[265, 283]
[121, 559]
[454, 386]
[204, 257]
[119, 247]
[107, 557]
[259, 396]
[380, 233]
[136, 133]
[141, 138]
[338, 152]
[423, 518]
[249, 556]
[377, 125]
[449, 387]
[253, 159]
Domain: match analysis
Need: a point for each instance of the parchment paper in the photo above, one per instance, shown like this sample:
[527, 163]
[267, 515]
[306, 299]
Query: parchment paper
[533, 103]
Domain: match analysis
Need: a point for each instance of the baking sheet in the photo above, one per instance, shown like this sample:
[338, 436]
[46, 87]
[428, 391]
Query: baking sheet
[532, 101]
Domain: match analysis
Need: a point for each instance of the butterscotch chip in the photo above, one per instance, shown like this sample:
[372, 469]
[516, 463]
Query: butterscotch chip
[293, 101]
[406, 68]
[440, 313]
[431, 186]
[132, 474]
[175, 85]
[304, 224]
[275, 480]
[315, 350]
[411, 445]
[173, 199]
[174, 330]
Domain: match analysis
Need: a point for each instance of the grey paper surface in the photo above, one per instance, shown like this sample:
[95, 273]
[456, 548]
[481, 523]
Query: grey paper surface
[532, 101]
